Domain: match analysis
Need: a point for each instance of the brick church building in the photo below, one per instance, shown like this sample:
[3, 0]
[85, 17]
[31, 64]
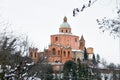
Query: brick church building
[64, 46]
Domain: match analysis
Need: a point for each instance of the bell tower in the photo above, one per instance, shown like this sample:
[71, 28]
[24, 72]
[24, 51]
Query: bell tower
[82, 43]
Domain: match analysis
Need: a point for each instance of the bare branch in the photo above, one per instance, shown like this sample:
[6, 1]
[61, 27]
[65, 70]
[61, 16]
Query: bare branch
[81, 9]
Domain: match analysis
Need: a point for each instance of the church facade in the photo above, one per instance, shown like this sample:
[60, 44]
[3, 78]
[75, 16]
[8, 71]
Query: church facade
[64, 46]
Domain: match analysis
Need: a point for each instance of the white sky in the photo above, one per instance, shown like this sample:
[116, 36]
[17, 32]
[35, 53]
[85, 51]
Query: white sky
[41, 18]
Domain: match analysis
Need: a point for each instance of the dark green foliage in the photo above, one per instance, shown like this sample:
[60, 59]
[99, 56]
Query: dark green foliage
[98, 59]
[85, 54]
[114, 75]
[68, 65]
[78, 60]
[42, 70]
[79, 71]
[69, 70]
[98, 76]
[84, 71]
[9, 56]
[19, 64]
[2, 75]
[112, 67]
[119, 75]
[18, 67]
[118, 67]
[7, 50]
[94, 59]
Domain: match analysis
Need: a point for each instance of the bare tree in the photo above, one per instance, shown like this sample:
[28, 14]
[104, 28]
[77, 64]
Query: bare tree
[84, 6]
[112, 67]
[112, 25]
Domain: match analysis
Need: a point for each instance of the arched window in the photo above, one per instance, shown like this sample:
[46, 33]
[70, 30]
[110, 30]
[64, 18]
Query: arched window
[68, 53]
[56, 38]
[64, 54]
[53, 51]
[31, 55]
[78, 60]
[35, 54]
[75, 39]
[66, 31]
[58, 52]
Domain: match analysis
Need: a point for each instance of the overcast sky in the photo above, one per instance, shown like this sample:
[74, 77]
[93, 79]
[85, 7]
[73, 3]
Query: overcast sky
[41, 18]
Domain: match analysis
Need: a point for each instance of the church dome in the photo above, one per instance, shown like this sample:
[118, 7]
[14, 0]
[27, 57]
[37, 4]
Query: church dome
[65, 24]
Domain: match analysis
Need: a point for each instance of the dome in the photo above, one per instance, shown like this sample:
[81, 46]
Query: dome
[65, 24]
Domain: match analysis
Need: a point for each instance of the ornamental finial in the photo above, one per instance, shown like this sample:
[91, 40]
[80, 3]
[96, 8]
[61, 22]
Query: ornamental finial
[65, 19]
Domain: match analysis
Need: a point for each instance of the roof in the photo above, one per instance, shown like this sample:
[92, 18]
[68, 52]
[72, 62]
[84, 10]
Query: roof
[74, 50]
[82, 38]
[65, 24]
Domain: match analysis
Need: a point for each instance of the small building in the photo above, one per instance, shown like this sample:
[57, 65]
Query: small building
[90, 52]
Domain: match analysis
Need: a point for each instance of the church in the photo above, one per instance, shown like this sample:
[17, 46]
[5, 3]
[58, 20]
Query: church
[63, 46]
